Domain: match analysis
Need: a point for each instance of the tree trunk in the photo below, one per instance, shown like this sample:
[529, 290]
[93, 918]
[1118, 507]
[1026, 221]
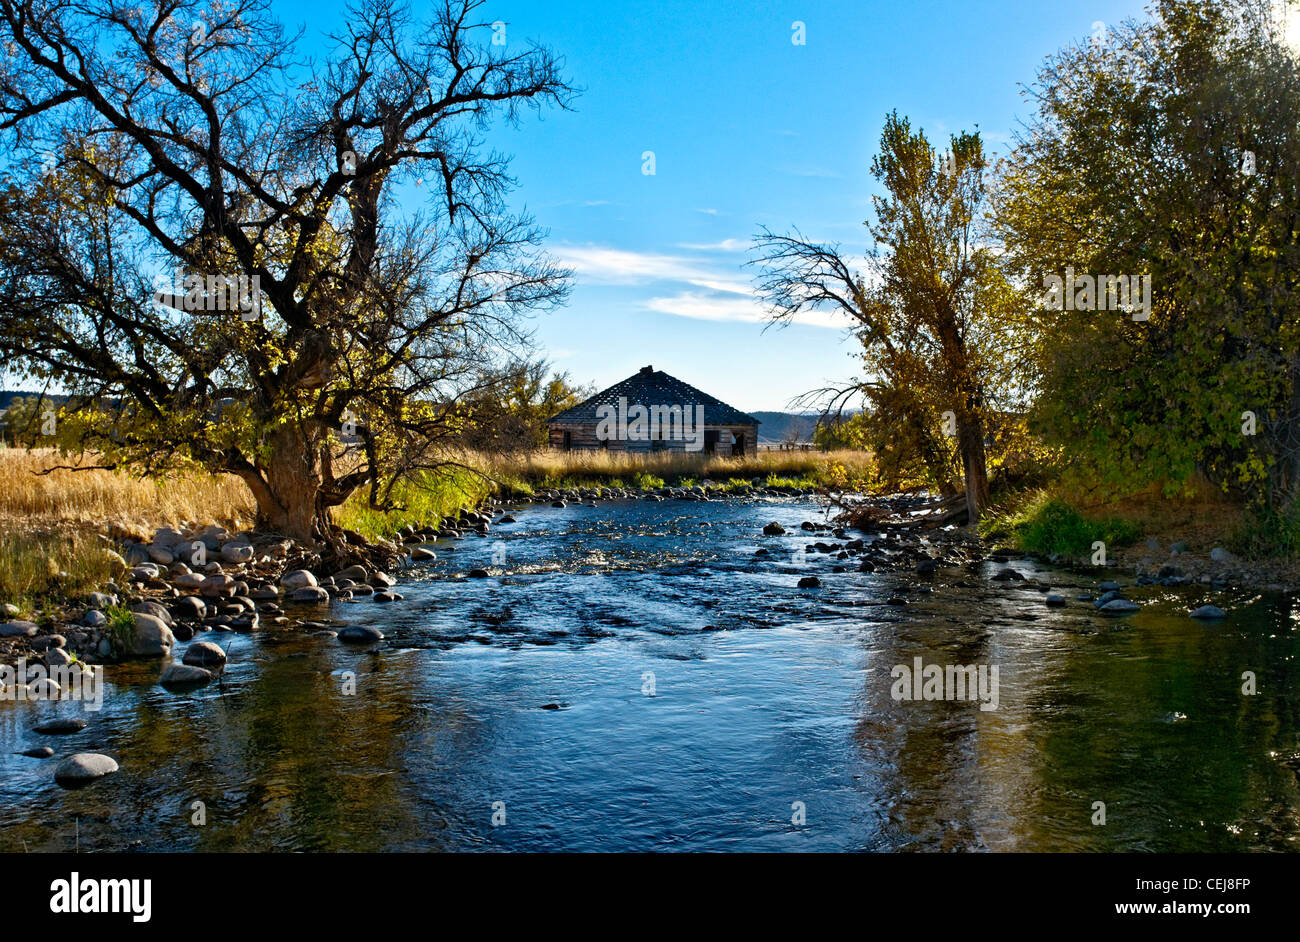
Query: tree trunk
[970, 438]
[288, 489]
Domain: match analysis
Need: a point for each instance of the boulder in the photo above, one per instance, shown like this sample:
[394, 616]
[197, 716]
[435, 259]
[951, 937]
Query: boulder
[809, 582]
[356, 573]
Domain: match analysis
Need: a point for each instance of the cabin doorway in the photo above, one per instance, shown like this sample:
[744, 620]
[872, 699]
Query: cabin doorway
[738, 446]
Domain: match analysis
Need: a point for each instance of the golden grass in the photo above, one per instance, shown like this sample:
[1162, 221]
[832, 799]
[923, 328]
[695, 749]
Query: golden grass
[94, 498]
[544, 466]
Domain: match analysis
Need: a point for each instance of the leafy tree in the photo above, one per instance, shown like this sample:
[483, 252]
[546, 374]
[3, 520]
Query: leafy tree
[933, 312]
[509, 409]
[207, 230]
[1167, 148]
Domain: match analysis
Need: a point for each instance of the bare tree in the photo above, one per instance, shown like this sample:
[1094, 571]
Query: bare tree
[307, 304]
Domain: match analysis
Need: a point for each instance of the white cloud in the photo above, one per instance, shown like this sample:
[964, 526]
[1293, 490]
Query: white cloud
[705, 291]
[726, 245]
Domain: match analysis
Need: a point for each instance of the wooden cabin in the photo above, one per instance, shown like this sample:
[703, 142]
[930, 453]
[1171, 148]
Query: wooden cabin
[654, 412]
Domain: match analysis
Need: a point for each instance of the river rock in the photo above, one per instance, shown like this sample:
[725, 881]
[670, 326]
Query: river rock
[60, 726]
[310, 595]
[382, 580]
[237, 553]
[82, 768]
[478, 574]
[298, 579]
[37, 752]
[184, 677]
[360, 634]
[150, 638]
[94, 618]
[1209, 611]
[809, 582]
[217, 585]
[1106, 597]
[1119, 607]
[17, 629]
[161, 555]
[191, 608]
[188, 580]
[1008, 575]
[422, 555]
[773, 529]
[357, 573]
[1055, 601]
[1221, 555]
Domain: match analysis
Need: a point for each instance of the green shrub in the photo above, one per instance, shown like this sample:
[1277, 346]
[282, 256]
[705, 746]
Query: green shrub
[1049, 526]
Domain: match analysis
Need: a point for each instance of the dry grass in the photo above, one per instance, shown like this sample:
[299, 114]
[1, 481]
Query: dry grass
[546, 466]
[93, 498]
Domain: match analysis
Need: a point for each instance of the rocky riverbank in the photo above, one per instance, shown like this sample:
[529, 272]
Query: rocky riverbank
[179, 582]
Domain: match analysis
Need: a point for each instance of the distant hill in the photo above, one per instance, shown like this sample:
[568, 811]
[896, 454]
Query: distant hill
[785, 426]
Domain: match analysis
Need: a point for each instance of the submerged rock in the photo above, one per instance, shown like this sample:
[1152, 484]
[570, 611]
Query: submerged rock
[360, 634]
[773, 529]
[61, 726]
[1209, 611]
[1119, 607]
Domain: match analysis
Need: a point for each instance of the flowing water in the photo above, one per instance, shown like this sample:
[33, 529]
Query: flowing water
[639, 681]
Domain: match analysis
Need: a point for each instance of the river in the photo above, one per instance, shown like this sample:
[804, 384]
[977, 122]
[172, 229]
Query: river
[629, 679]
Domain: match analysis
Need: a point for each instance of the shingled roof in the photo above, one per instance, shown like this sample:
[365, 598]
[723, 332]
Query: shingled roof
[651, 387]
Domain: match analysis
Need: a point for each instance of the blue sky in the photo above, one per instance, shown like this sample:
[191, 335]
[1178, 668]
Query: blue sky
[747, 129]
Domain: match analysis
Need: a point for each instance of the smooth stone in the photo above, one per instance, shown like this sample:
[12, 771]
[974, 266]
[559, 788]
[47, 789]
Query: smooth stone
[237, 553]
[61, 726]
[82, 768]
[204, 654]
[1119, 607]
[298, 579]
[360, 634]
[773, 529]
[310, 595]
[151, 637]
[1055, 601]
[37, 752]
[94, 618]
[809, 582]
[1209, 611]
[18, 629]
[356, 573]
[182, 676]
[421, 555]
[478, 574]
